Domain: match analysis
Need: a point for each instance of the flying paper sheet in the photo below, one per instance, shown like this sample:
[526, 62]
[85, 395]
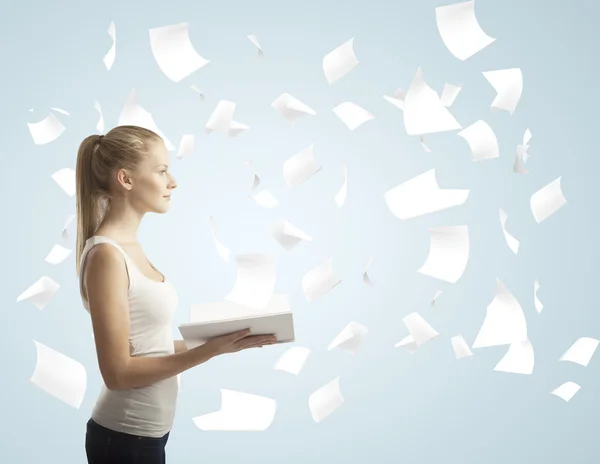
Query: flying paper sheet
[350, 338]
[135, 115]
[482, 141]
[397, 98]
[519, 359]
[250, 166]
[581, 351]
[352, 115]
[538, 304]
[340, 197]
[421, 195]
[448, 253]
[239, 412]
[100, 125]
[300, 167]
[522, 149]
[60, 110]
[47, 130]
[197, 90]
[425, 147]
[366, 278]
[325, 400]
[449, 94]
[547, 201]
[174, 52]
[265, 199]
[504, 323]
[460, 347]
[288, 235]
[64, 234]
[109, 58]
[292, 360]
[186, 146]
[508, 84]
[438, 293]
[512, 242]
[291, 108]
[419, 329]
[65, 178]
[519, 164]
[255, 282]
[424, 113]
[252, 38]
[339, 62]
[319, 280]
[566, 391]
[40, 293]
[221, 120]
[57, 255]
[460, 31]
[221, 249]
[59, 376]
[408, 343]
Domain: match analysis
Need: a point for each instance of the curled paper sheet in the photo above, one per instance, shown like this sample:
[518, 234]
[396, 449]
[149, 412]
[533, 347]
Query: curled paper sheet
[326, 400]
[59, 376]
[482, 141]
[449, 94]
[397, 98]
[512, 242]
[519, 359]
[408, 343]
[538, 304]
[460, 347]
[419, 328]
[40, 293]
[64, 234]
[292, 360]
[65, 178]
[340, 197]
[252, 38]
[198, 91]
[581, 351]
[366, 278]
[460, 31]
[352, 115]
[174, 52]
[448, 253]
[508, 84]
[221, 120]
[255, 281]
[186, 146]
[109, 58]
[350, 338]
[288, 235]
[291, 108]
[319, 280]
[340, 61]
[547, 201]
[265, 199]
[300, 167]
[221, 249]
[58, 254]
[256, 182]
[100, 125]
[566, 391]
[47, 130]
[438, 293]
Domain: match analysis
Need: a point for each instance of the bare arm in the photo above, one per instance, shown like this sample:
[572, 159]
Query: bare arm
[179, 346]
[106, 285]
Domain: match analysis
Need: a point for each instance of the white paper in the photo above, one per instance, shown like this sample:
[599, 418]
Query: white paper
[482, 141]
[221, 249]
[538, 304]
[252, 38]
[64, 234]
[59, 376]
[100, 125]
[425, 147]
[40, 293]
[419, 328]
[174, 52]
[221, 120]
[237, 128]
[448, 253]
[186, 146]
[421, 195]
[255, 281]
[581, 351]
[288, 235]
[300, 167]
[250, 166]
[47, 130]
[292, 360]
[265, 199]
[547, 201]
[198, 91]
[340, 61]
[566, 391]
[449, 94]
[225, 310]
[325, 400]
[519, 359]
[239, 412]
[291, 108]
[350, 338]
[135, 115]
[340, 197]
[319, 280]
[519, 164]
[397, 98]
[366, 278]
[65, 178]
[424, 113]
[60, 110]
[109, 58]
[58, 254]
[460, 31]
[460, 347]
[512, 242]
[352, 115]
[438, 293]
[504, 322]
[408, 343]
[508, 84]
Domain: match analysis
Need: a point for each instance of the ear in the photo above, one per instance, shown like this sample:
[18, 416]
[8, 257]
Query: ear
[124, 179]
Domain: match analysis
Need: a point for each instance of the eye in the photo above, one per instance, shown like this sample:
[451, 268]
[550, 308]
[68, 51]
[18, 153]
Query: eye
[162, 172]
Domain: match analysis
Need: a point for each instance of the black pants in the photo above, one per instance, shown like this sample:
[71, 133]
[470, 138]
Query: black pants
[105, 446]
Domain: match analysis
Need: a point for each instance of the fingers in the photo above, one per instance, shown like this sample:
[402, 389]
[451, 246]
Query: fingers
[255, 340]
[240, 334]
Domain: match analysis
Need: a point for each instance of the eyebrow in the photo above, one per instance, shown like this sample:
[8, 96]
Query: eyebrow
[165, 165]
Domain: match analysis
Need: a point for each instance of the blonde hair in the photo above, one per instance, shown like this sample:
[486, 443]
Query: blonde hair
[98, 158]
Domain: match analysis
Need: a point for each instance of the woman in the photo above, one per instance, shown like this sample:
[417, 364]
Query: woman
[120, 177]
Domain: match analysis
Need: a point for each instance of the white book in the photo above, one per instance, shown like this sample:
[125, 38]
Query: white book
[223, 317]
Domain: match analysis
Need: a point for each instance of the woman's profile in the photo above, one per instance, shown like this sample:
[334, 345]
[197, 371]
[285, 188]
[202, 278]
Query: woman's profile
[120, 177]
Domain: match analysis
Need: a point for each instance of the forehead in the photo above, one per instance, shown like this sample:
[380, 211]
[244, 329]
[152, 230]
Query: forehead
[157, 154]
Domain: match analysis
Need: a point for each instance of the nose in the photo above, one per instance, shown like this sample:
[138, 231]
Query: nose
[173, 183]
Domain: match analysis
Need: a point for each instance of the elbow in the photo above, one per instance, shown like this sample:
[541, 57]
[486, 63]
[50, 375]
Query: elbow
[113, 381]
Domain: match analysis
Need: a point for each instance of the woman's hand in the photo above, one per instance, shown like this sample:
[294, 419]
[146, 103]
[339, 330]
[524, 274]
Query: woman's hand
[238, 341]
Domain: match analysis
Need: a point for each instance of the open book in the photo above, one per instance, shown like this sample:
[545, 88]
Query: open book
[223, 317]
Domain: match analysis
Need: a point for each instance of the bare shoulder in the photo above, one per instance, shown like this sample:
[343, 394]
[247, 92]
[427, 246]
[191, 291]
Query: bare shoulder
[105, 265]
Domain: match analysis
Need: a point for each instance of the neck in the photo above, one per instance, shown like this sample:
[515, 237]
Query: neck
[121, 222]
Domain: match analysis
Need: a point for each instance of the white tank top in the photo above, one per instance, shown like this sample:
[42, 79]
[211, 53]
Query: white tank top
[145, 411]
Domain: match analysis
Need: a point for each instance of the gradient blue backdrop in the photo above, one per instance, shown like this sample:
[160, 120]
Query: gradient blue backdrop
[425, 408]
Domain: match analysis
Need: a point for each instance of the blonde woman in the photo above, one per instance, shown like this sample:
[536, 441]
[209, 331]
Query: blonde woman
[120, 177]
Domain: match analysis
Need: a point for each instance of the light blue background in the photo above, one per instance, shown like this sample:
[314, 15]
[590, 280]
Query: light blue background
[425, 408]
